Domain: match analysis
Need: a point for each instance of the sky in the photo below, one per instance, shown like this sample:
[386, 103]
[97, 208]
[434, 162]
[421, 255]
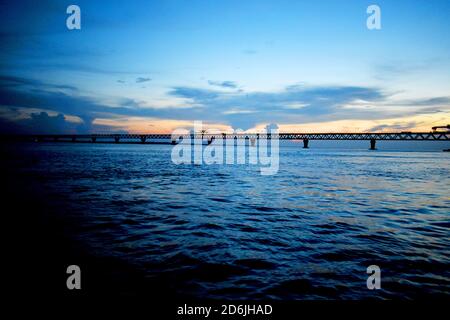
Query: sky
[154, 66]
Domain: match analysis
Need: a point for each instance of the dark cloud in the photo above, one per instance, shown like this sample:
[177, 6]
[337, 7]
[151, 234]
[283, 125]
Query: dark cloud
[142, 79]
[12, 81]
[22, 93]
[48, 124]
[43, 123]
[200, 95]
[223, 84]
[39, 123]
[295, 104]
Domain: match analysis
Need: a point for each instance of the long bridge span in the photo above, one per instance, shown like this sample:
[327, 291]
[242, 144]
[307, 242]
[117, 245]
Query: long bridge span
[150, 138]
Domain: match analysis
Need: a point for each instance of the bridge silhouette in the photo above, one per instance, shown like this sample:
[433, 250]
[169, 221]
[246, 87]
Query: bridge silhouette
[252, 137]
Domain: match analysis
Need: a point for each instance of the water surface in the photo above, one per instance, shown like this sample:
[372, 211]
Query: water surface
[225, 231]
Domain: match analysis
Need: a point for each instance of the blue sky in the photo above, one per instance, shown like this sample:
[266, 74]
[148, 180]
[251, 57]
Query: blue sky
[156, 65]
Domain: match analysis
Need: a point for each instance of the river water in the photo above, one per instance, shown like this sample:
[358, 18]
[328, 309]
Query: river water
[225, 231]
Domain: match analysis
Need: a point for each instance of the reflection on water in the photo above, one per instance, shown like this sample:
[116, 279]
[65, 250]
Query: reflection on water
[227, 232]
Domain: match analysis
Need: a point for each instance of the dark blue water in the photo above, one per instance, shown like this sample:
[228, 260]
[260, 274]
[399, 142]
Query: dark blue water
[225, 231]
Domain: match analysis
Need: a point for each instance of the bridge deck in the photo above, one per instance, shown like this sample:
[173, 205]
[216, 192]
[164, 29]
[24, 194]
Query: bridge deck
[416, 136]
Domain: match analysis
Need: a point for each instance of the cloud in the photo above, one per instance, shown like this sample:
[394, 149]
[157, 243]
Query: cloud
[302, 104]
[391, 70]
[12, 81]
[248, 109]
[40, 123]
[436, 101]
[223, 84]
[395, 126]
[298, 104]
[48, 124]
[196, 94]
[141, 79]
[28, 94]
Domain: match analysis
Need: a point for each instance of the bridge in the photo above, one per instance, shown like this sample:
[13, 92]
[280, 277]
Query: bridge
[252, 137]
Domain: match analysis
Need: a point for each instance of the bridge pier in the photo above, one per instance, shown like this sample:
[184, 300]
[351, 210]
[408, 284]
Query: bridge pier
[143, 138]
[372, 144]
[93, 139]
[305, 143]
[210, 140]
[174, 141]
[74, 139]
[116, 139]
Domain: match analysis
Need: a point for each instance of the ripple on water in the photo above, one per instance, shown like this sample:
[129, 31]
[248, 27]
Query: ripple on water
[228, 232]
